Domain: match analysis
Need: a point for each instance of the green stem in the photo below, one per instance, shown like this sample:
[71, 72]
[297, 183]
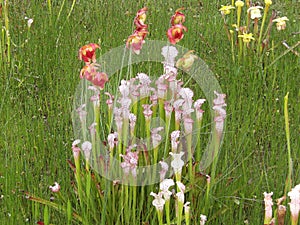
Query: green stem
[167, 127]
[187, 218]
[216, 140]
[232, 46]
[160, 217]
[179, 212]
[50, 10]
[259, 46]
[198, 150]
[8, 52]
[53, 205]
[190, 157]
[287, 132]
[167, 208]
[134, 205]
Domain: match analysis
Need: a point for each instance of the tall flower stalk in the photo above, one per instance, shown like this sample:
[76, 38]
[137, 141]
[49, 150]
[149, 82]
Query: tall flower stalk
[267, 6]
[288, 183]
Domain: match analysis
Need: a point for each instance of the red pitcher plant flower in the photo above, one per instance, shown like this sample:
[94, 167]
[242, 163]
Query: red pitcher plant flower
[175, 33]
[178, 17]
[87, 53]
[90, 73]
[140, 18]
[136, 40]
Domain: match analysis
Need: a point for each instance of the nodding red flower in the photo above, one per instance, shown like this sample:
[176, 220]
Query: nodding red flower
[142, 31]
[87, 53]
[135, 42]
[175, 33]
[140, 18]
[87, 71]
[90, 73]
[178, 17]
[100, 79]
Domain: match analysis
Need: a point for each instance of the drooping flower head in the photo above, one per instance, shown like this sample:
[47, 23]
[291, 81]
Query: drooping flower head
[135, 43]
[136, 40]
[246, 37]
[178, 17]
[255, 12]
[175, 33]
[280, 23]
[226, 9]
[140, 18]
[87, 53]
[187, 61]
[100, 80]
[90, 73]
[87, 72]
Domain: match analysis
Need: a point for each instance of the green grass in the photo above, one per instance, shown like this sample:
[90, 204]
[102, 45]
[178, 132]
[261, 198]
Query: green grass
[37, 93]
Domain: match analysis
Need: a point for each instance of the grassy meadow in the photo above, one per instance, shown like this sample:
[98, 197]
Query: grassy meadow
[39, 73]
